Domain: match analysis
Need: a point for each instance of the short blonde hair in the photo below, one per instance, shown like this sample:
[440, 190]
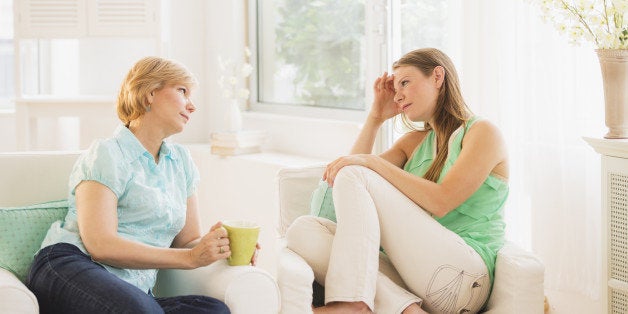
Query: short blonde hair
[147, 75]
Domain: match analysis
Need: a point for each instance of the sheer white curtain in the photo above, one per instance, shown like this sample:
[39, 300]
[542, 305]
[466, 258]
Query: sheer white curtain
[545, 95]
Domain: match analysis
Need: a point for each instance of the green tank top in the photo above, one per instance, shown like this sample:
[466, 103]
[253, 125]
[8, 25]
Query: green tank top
[479, 220]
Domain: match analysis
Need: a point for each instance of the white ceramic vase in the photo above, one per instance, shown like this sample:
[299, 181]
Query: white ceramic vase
[614, 65]
[233, 117]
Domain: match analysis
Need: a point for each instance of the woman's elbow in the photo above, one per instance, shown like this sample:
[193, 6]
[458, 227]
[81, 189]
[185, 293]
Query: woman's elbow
[439, 213]
[440, 210]
[98, 249]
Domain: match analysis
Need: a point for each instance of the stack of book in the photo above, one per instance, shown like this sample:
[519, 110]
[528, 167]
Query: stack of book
[237, 143]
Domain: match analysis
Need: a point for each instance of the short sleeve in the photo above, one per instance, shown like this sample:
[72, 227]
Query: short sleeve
[191, 171]
[103, 162]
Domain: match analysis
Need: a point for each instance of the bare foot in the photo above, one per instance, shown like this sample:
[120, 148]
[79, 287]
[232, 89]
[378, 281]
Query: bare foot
[343, 307]
[414, 309]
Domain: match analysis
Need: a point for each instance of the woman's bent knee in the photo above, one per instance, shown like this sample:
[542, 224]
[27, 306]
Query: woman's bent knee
[352, 171]
[305, 228]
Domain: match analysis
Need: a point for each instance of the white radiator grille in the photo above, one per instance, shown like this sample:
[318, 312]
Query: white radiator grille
[618, 227]
[619, 303]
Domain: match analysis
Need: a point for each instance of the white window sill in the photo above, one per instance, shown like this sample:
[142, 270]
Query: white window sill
[7, 113]
[324, 139]
[266, 157]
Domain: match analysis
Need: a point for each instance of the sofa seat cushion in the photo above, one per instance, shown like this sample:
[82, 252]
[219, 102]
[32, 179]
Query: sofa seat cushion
[22, 229]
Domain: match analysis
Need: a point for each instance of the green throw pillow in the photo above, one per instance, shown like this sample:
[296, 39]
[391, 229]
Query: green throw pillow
[22, 229]
[322, 204]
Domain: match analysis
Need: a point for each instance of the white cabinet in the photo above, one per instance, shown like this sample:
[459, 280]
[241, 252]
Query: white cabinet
[56, 93]
[95, 117]
[614, 246]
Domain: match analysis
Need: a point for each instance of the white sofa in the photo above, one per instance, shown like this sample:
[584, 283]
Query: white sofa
[30, 178]
[519, 274]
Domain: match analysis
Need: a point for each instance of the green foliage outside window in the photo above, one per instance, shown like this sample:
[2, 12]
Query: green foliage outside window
[323, 41]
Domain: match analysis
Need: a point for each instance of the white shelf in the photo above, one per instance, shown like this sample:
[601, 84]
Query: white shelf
[270, 158]
[609, 147]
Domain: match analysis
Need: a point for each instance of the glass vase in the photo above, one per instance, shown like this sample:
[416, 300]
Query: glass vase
[233, 117]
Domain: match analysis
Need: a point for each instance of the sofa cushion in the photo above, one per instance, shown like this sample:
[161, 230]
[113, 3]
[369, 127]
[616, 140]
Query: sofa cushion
[22, 229]
[295, 193]
[322, 204]
[518, 286]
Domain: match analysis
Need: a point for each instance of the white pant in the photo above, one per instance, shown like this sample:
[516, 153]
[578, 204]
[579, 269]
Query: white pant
[425, 262]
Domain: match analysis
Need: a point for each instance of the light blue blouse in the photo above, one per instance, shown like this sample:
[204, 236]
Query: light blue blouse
[152, 198]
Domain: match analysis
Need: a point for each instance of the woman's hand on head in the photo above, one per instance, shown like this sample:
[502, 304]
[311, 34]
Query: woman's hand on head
[212, 247]
[384, 106]
[332, 168]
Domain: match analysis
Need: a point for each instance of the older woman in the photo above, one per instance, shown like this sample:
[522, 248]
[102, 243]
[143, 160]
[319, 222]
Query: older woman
[132, 209]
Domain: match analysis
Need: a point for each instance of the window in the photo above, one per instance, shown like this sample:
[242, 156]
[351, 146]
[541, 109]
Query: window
[326, 53]
[425, 23]
[7, 89]
[312, 53]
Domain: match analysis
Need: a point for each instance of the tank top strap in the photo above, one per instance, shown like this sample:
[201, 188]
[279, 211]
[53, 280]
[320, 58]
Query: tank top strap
[455, 140]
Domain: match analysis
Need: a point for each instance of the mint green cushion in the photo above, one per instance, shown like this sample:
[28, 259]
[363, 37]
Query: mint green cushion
[322, 204]
[22, 229]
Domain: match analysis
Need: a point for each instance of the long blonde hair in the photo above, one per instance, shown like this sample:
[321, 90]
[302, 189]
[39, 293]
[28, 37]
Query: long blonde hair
[147, 75]
[451, 110]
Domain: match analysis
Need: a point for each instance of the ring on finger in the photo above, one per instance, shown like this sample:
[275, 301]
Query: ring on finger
[221, 250]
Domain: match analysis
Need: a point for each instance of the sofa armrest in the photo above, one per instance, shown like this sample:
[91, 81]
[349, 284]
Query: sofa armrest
[245, 289]
[14, 296]
[295, 278]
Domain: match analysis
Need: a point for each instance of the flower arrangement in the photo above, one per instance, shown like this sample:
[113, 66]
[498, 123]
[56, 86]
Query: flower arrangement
[598, 21]
[232, 81]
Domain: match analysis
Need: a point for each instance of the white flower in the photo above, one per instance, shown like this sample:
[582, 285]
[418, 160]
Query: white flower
[246, 70]
[243, 93]
[233, 79]
[598, 21]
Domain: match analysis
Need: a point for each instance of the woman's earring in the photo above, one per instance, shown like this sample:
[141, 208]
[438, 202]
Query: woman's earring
[148, 108]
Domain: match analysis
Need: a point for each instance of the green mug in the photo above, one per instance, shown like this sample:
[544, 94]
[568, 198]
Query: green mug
[242, 236]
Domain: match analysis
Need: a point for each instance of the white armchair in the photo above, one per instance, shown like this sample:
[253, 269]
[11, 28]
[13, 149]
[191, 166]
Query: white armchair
[31, 178]
[518, 286]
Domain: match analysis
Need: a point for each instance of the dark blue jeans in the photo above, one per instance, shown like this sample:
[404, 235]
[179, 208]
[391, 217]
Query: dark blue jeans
[65, 280]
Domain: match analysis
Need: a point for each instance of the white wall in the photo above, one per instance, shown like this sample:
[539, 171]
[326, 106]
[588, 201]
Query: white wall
[244, 187]
[7, 129]
[195, 32]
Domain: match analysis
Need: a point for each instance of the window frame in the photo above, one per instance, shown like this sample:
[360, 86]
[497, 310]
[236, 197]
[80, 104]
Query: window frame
[376, 63]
